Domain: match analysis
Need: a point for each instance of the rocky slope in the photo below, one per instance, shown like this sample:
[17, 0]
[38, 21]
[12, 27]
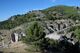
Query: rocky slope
[56, 21]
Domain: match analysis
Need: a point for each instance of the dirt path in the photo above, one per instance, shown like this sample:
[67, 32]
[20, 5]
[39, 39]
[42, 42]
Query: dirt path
[17, 47]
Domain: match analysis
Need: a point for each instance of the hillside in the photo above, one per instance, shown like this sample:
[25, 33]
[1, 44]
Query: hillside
[52, 13]
[53, 30]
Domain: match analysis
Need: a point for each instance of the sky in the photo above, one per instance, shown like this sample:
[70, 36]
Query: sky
[9, 8]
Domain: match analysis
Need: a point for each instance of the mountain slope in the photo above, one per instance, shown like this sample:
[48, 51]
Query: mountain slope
[52, 13]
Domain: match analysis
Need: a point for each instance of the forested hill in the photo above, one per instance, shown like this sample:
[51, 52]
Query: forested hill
[51, 13]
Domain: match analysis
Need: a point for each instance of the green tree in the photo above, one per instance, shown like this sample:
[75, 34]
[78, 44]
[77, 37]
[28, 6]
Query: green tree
[34, 32]
[77, 33]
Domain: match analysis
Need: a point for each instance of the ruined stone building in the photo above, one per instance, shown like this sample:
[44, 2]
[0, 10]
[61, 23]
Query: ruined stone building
[17, 35]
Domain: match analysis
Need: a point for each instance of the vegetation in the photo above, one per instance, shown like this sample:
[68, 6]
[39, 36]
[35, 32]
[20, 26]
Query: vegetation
[77, 33]
[52, 13]
[35, 34]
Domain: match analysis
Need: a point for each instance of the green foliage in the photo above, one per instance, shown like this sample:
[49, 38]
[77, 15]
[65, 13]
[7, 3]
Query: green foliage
[36, 36]
[34, 32]
[53, 42]
[0, 39]
[52, 13]
[77, 33]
